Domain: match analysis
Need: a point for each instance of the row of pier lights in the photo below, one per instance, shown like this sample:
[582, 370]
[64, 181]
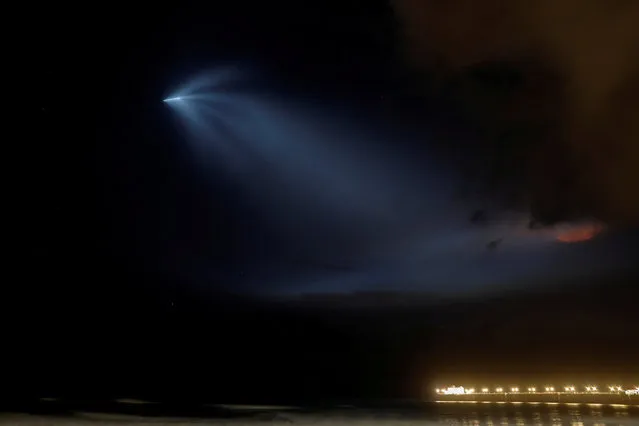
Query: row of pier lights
[570, 394]
[568, 389]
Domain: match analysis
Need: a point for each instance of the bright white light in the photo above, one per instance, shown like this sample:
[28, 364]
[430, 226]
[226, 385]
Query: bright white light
[485, 390]
[514, 389]
[454, 391]
[470, 391]
[532, 389]
[499, 389]
[634, 391]
[550, 389]
[174, 99]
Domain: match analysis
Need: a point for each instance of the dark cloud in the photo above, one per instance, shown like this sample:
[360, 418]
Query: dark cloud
[494, 244]
[553, 90]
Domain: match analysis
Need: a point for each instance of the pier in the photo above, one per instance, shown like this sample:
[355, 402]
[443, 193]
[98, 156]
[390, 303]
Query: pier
[567, 395]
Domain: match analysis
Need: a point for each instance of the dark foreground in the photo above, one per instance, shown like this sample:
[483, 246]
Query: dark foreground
[131, 412]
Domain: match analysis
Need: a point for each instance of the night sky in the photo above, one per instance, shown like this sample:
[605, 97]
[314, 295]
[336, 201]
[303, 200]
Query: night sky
[404, 148]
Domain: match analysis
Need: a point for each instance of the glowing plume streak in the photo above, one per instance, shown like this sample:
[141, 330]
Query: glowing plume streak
[583, 232]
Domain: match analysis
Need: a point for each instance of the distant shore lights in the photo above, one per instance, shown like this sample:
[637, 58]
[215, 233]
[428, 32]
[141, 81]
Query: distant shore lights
[455, 390]
[570, 389]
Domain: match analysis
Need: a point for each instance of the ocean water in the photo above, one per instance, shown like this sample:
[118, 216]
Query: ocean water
[451, 414]
[520, 414]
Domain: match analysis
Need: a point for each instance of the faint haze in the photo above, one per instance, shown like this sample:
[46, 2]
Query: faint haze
[553, 88]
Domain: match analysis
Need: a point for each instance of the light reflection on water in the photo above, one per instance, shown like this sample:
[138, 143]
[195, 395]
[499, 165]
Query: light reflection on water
[537, 415]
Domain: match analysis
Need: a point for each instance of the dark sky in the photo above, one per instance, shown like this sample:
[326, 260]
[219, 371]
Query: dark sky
[340, 176]
[348, 155]
[383, 208]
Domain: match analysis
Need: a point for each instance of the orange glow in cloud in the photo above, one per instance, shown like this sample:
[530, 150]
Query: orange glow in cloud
[580, 233]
